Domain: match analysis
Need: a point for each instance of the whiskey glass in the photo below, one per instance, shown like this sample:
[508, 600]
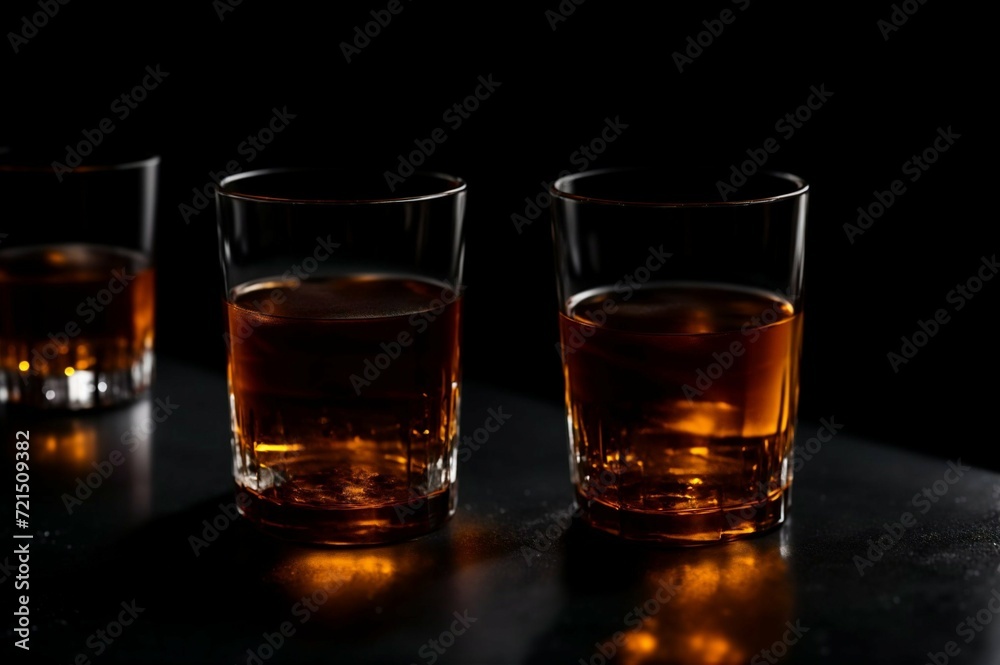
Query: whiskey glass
[76, 282]
[680, 337]
[343, 308]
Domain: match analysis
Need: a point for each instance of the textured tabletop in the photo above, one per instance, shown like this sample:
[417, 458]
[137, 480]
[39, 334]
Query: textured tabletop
[888, 557]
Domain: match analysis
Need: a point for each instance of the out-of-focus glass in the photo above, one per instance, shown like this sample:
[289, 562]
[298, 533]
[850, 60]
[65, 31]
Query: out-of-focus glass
[76, 283]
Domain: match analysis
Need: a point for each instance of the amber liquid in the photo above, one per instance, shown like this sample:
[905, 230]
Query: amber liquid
[668, 443]
[76, 325]
[342, 434]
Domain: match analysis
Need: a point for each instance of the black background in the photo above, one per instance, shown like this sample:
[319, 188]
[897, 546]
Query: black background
[606, 60]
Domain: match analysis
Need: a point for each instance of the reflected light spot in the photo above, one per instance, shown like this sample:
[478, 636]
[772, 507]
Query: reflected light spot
[360, 572]
[74, 444]
[81, 445]
[278, 447]
[24, 365]
[715, 648]
[713, 419]
[730, 604]
[640, 642]
[69, 371]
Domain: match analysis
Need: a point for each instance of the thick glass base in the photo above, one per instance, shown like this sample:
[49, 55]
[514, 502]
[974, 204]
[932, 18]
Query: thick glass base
[688, 528]
[78, 389]
[349, 525]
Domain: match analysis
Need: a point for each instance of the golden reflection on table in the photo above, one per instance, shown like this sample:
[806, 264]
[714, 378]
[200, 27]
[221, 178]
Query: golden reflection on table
[727, 604]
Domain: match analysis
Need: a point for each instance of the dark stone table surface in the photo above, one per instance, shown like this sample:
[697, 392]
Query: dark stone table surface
[115, 578]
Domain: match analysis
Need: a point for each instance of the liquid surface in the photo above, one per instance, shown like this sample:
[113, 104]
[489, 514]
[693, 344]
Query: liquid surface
[345, 402]
[682, 401]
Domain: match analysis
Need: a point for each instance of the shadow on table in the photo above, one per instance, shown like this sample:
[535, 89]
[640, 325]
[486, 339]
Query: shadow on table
[89, 464]
[202, 567]
[715, 604]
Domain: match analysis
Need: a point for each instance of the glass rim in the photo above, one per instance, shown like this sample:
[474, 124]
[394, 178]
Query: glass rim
[557, 190]
[29, 167]
[225, 188]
